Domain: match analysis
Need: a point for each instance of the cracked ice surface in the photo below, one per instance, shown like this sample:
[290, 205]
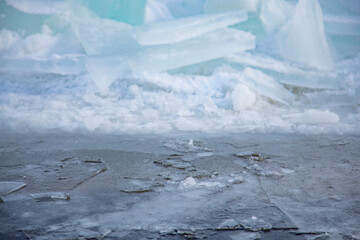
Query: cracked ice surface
[267, 186]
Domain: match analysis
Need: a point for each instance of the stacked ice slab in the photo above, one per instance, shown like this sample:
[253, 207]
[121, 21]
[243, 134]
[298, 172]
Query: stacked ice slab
[113, 38]
[144, 36]
[155, 47]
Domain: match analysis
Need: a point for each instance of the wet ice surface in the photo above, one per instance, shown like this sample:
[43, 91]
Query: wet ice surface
[246, 186]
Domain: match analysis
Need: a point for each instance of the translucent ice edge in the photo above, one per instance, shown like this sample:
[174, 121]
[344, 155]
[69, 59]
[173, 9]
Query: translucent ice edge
[292, 66]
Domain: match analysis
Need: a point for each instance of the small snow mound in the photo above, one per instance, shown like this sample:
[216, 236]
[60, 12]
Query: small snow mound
[314, 117]
[188, 183]
[242, 98]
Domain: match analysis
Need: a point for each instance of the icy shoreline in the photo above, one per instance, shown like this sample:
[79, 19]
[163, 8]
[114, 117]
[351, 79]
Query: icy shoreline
[244, 186]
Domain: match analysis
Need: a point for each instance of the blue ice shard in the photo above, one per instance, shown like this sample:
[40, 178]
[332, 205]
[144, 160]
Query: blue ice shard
[186, 28]
[304, 39]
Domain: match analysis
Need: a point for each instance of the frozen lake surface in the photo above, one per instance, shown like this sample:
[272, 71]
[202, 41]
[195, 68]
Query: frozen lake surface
[180, 186]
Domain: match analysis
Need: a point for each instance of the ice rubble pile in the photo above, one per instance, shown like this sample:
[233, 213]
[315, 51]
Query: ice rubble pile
[271, 47]
[160, 35]
[122, 36]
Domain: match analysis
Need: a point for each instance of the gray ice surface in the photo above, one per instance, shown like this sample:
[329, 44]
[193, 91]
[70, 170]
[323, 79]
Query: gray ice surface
[190, 185]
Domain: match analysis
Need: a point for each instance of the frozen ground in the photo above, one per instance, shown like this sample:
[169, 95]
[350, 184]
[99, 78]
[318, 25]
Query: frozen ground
[228, 186]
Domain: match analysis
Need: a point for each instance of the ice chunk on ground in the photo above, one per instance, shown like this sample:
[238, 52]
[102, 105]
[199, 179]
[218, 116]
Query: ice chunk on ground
[213, 6]
[184, 146]
[50, 196]
[303, 39]
[7, 187]
[229, 224]
[137, 186]
[236, 179]
[255, 224]
[274, 13]
[209, 46]
[242, 98]
[187, 183]
[185, 28]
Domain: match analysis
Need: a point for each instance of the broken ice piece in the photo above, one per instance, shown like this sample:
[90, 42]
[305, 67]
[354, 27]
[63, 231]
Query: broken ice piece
[304, 39]
[229, 224]
[252, 156]
[236, 180]
[138, 186]
[50, 196]
[7, 187]
[291, 73]
[255, 224]
[174, 31]
[265, 85]
[100, 36]
[187, 183]
[212, 45]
